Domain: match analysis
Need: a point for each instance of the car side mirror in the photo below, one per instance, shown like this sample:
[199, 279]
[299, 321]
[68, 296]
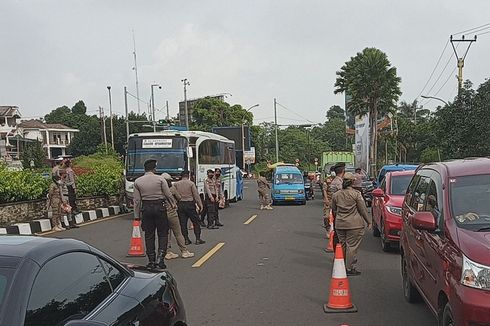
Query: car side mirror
[378, 192]
[424, 221]
[84, 323]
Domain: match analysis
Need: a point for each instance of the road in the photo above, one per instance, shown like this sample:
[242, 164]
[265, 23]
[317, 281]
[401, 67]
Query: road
[272, 271]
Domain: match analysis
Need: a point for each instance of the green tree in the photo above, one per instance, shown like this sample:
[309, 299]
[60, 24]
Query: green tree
[210, 112]
[374, 86]
[33, 152]
[335, 111]
[79, 108]
[413, 111]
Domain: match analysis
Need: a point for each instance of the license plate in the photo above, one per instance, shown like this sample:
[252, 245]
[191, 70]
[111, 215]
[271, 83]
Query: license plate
[289, 198]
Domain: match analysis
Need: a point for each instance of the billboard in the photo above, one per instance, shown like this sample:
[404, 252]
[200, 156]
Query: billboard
[362, 142]
[249, 156]
[235, 133]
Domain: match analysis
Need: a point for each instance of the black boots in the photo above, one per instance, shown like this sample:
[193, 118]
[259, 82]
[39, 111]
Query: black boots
[151, 262]
[161, 260]
[188, 241]
[199, 241]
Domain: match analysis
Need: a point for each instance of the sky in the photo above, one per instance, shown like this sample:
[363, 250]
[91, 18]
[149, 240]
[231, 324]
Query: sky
[56, 52]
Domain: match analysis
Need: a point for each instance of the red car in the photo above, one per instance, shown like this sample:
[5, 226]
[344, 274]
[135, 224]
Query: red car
[387, 207]
[445, 241]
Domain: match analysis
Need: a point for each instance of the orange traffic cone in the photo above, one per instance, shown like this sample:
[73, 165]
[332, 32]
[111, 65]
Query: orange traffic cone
[339, 299]
[136, 243]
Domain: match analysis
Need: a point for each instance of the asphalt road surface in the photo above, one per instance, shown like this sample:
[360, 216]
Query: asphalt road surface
[271, 271]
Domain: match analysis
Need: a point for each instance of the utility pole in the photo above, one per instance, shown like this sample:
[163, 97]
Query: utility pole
[186, 83]
[102, 117]
[110, 112]
[153, 106]
[126, 108]
[168, 114]
[275, 122]
[135, 68]
[461, 59]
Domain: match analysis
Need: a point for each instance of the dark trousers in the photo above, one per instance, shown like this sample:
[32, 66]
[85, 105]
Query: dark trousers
[212, 210]
[72, 198]
[187, 211]
[154, 217]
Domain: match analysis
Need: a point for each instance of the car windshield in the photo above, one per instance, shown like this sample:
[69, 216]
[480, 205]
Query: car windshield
[287, 178]
[5, 275]
[399, 184]
[469, 200]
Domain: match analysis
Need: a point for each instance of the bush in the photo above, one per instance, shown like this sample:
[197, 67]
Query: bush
[21, 185]
[98, 175]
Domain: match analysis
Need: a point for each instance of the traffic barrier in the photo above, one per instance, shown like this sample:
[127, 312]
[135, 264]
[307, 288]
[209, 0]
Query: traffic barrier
[136, 243]
[339, 299]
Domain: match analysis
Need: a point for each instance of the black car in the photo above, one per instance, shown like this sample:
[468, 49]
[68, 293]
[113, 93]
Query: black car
[51, 282]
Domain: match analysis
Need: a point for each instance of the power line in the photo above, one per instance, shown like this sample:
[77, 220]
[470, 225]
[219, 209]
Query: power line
[442, 72]
[482, 33]
[435, 67]
[291, 111]
[472, 29]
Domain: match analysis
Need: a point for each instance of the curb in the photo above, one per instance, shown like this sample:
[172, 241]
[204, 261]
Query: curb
[44, 225]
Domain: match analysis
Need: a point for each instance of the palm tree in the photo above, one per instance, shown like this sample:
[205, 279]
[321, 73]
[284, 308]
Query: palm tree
[373, 84]
[413, 111]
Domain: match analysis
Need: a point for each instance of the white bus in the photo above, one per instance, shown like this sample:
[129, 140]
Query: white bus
[176, 151]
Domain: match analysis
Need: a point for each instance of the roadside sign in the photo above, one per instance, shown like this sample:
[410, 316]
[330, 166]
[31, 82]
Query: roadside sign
[316, 159]
[297, 160]
[316, 162]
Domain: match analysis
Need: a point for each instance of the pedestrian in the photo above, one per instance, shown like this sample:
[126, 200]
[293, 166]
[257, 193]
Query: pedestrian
[211, 192]
[66, 207]
[190, 205]
[263, 190]
[327, 198]
[220, 201]
[350, 214]
[55, 201]
[57, 166]
[174, 224]
[357, 184]
[71, 186]
[152, 197]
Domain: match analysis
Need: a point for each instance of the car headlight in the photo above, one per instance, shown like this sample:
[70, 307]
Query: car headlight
[394, 210]
[277, 192]
[475, 275]
[300, 191]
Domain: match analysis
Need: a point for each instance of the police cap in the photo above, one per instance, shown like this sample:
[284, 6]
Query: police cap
[339, 165]
[150, 164]
[210, 171]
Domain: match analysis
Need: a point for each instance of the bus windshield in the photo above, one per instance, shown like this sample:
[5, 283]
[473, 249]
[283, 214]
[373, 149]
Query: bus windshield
[170, 153]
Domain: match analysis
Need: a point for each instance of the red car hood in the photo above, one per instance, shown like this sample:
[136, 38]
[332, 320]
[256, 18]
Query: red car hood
[396, 200]
[475, 245]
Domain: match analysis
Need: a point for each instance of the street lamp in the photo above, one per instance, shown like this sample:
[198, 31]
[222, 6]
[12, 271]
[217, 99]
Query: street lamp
[110, 112]
[243, 136]
[153, 105]
[186, 83]
[435, 98]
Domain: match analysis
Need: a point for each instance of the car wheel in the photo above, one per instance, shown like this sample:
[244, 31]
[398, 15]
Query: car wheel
[447, 316]
[376, 230]
[303, 202]
[409, 291]
[385, 245]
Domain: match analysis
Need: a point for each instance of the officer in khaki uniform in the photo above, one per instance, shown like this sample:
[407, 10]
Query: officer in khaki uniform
[187, 207]
[211, 193]
[220, 197]
[332, 186]
[263, 190]
[151, 197]
[351, 215]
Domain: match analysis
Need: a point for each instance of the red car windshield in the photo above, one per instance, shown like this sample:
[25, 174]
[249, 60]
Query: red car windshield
[470, 196]
[399, 184]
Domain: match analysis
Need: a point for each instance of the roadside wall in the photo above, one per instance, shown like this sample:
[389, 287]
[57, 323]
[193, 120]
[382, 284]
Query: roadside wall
[34, 209]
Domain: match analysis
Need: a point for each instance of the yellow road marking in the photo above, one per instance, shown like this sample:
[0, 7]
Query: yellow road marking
[247, 222]
[86, 223]
[210, 253]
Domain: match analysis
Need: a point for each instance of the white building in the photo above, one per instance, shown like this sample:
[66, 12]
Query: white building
[8, 124]
[55, 138]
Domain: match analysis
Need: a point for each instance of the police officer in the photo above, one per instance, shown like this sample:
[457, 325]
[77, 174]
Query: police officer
[151, 195]
[187, 207]
[335, 185]
[211, 192]
[219, 194]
